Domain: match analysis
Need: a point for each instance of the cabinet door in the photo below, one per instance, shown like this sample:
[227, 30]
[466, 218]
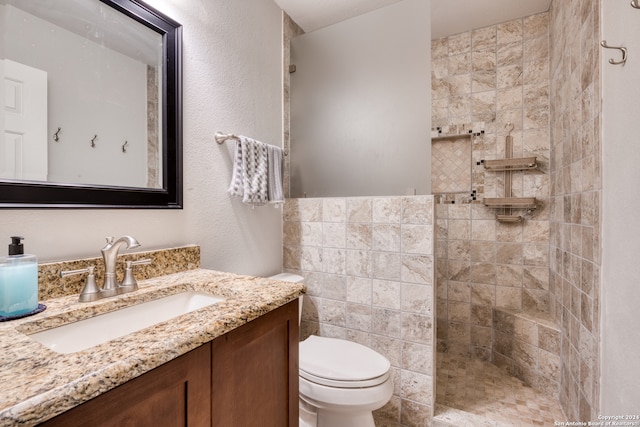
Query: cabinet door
[174, 394]
[255, 372]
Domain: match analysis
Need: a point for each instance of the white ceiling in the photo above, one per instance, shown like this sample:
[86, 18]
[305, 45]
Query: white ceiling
[447, 16]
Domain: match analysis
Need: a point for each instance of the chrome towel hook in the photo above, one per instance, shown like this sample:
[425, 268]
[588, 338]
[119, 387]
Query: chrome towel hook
[93, 141]
[56, 135]
[603, 43]
[635, 4]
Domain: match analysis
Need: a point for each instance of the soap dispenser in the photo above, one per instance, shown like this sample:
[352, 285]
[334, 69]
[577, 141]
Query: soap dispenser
[18, 281]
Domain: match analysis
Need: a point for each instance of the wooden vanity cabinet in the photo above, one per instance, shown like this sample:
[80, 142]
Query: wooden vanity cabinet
[247, 377]
[174, 394]
[255, 372]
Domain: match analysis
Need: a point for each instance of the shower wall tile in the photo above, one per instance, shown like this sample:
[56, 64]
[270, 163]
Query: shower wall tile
[511, 31]
[549, 339]
[307, 210]
[509, 76]
[359, 236]
[417, 210]
[483, 38]
[359, 210]
[334, 210]
[439, 48]
[387, 210]
[416, 357]
[368, 264]
[575, 185]
[386, 237]
[484, 265]
[417, 269]
[536, 25]
[456, 249]
[359, 290]
[358, 264]
[386, 294]
[509, 298]
[482, 81]
[458, 64]
[459, 43]
[509, 54]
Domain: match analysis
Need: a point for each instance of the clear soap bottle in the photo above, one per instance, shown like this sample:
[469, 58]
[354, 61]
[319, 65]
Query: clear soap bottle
[18, 281]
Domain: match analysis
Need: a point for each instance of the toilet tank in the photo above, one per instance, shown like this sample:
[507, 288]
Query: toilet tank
[293, 278]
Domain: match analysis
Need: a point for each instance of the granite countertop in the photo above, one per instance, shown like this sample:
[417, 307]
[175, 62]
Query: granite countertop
[37, 383]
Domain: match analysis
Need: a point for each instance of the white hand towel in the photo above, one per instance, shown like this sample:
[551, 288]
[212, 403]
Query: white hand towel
[250, 172]
[276, 163]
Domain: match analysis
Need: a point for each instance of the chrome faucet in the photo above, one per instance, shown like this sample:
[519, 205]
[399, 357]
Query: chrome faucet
[110, 254]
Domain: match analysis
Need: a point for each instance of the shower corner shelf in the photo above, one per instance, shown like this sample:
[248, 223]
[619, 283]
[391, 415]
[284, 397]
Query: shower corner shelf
[508, 203]
[513, 219]
[509, 164]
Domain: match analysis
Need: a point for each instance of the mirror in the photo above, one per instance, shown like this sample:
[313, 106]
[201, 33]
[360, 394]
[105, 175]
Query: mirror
[92, 113]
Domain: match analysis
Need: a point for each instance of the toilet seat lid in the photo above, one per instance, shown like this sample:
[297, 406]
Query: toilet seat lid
[333, 362]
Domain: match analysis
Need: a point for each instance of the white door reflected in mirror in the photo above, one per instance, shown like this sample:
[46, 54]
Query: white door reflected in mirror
[23, 155]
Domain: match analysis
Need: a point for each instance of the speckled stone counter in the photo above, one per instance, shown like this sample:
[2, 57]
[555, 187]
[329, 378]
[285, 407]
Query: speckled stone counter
[37, 383]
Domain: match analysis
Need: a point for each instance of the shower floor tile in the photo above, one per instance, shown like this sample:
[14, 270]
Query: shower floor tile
[470, 392]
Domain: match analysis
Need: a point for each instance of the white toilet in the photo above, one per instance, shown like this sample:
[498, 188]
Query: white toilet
[341, 382]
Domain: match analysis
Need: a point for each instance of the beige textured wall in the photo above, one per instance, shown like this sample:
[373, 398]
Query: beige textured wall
[576, 197]
[619, 335]
[359, 98]
[368, 267]
[232, 57]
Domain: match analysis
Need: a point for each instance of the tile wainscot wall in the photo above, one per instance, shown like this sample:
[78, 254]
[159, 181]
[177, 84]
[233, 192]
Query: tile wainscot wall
[368, 264]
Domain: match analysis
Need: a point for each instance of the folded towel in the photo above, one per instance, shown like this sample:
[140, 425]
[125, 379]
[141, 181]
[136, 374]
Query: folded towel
[250, 172]
[276, 162]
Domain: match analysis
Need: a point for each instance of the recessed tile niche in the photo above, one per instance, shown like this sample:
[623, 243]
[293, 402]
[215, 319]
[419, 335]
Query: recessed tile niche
[451, 165]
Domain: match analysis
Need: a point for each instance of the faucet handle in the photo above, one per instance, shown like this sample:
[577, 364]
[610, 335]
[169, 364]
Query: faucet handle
[91, 291]
[130, 284]
[140, 261]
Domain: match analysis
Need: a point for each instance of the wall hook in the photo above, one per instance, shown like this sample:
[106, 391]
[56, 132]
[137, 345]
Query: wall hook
[93, 141]
[603, 43]
[124, 150]
[635, 4]
[511, 126]
[56, 137]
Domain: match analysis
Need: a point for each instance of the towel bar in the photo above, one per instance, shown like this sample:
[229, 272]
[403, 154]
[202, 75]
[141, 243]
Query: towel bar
[222, 137]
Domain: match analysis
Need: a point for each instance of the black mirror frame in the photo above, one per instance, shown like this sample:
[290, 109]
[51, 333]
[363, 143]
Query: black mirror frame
[31, 194]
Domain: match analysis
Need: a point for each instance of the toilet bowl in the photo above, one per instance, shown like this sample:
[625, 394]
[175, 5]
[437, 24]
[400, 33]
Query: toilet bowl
[341, 382]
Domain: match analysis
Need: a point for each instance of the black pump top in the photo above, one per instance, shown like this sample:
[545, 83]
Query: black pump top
[16, 248]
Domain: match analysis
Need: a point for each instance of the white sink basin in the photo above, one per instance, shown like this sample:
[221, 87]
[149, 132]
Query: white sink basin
[87, 333]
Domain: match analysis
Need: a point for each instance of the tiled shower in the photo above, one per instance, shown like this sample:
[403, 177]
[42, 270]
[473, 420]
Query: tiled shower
[525, 296]
[522, 297]
[489, 272]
